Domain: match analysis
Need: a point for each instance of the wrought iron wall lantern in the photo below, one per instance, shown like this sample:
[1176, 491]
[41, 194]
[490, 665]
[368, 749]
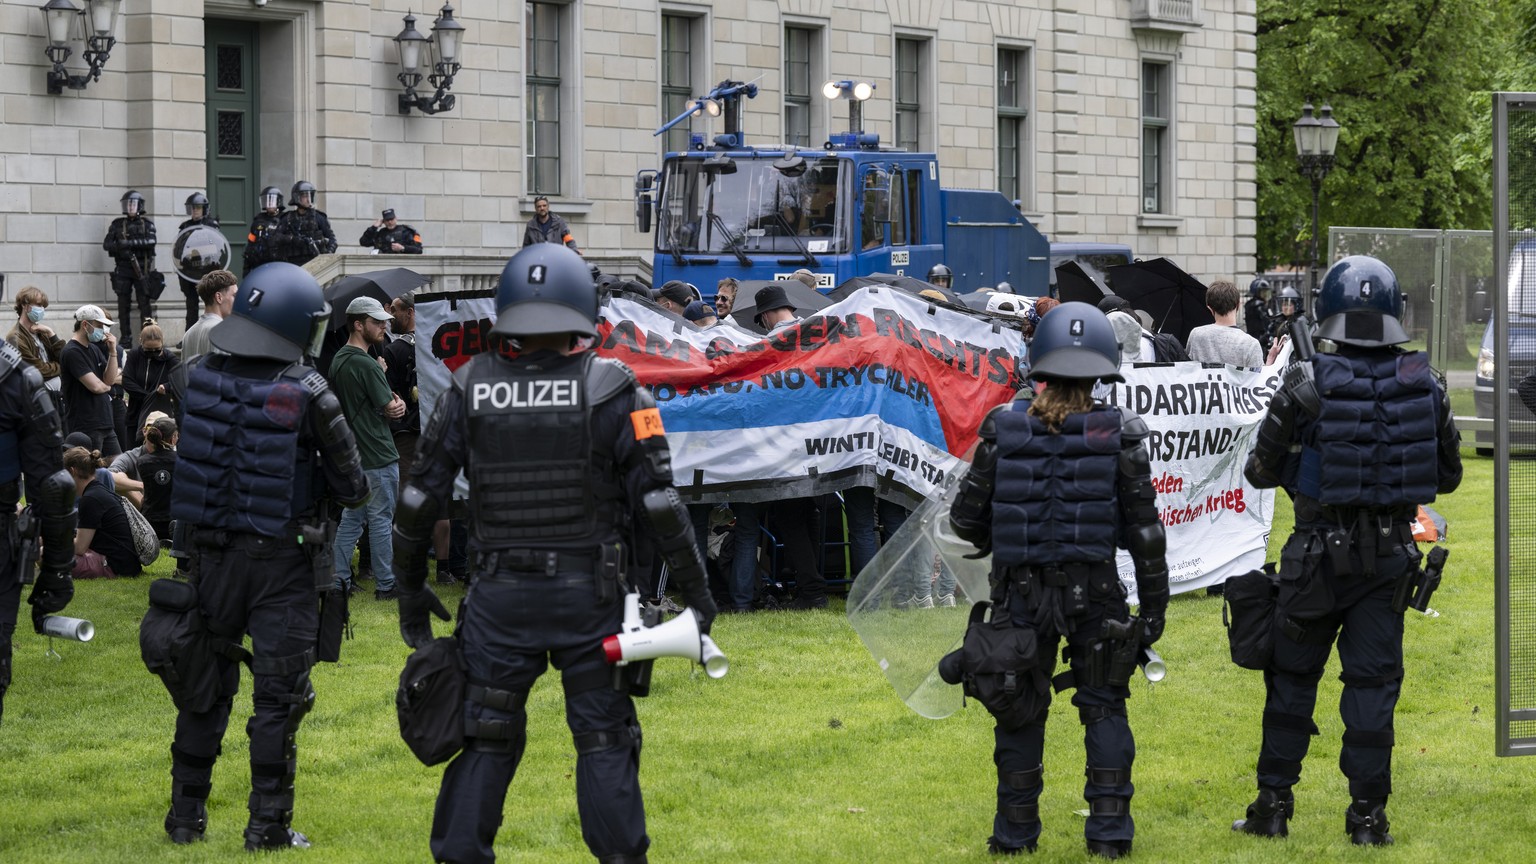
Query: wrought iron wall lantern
[446, 39]
[93, 26]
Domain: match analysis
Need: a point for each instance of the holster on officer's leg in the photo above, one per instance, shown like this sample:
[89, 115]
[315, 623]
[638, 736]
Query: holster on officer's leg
[318, 541]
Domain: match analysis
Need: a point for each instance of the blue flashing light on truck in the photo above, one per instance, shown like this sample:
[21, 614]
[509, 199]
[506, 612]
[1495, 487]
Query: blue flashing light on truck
[851, 208]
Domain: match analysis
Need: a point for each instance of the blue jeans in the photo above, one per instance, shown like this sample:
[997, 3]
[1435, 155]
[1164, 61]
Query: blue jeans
[380, 513]
[745, 537]
[860, 505]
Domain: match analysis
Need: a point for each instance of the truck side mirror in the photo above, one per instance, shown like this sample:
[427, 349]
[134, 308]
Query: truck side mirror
[644, 200]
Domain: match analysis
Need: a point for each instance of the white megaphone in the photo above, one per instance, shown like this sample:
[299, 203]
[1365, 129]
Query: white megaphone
[679, 637]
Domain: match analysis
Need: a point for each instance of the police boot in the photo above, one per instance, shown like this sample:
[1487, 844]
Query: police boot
[1110, 849]
[1366, 822]
[996, 848]
[1269, 813]
[191, 781]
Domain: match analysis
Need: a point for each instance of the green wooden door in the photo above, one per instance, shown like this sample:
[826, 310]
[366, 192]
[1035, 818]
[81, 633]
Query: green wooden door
[230, 58]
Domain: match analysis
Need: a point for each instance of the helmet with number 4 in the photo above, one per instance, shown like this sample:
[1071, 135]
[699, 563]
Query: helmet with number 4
[1360, 304]
[1075, 340]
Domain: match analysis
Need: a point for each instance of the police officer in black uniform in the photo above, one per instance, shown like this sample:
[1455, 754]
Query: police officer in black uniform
[1288, 303]
[261, 244]
[941, 275]
[1256, 314]
[197, 214]
[263, 439]
[391, 237]
[131, 243]
[30, 439]
[304, 232]
[1358, 444]
[567, 461]
[1058, 482]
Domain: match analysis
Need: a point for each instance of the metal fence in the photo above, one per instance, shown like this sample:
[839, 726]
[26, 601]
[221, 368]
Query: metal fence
[1512, 344]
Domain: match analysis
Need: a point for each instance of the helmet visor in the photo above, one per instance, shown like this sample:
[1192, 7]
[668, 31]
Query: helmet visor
[130, 206]
[319, 323]
[271, 200]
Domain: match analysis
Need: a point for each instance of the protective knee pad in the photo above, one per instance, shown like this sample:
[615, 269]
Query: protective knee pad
[301, 702]
[1028, 783]
[627, 738]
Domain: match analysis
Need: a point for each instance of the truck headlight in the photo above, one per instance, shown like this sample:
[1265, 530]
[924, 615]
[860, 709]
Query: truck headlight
[1485, 364]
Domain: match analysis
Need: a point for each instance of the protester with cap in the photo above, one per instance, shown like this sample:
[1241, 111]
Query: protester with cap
[1058, 483]
[675, 296]
[264, 443]
[561, 488]
[369, 405]
[547, 227]
[804, 277]
[700, 314]
[90, 370]
[389, 236]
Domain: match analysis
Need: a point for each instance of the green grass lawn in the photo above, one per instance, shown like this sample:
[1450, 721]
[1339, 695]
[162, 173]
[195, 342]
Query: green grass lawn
[801, 754]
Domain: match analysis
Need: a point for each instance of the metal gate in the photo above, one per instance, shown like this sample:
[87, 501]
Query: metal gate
[1510, 350]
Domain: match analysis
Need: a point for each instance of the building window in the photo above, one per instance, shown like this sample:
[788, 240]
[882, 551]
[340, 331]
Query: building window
[911, 74]
[545, 24]
[1013, 176]
[801, 46]
[1156, 137]
[676, 76]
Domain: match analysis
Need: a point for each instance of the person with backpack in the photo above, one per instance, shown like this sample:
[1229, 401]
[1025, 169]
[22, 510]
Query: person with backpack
[1059, 482]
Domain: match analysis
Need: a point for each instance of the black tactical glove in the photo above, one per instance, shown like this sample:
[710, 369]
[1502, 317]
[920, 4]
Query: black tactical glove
[704, 609]
[50, 594]
[415, 607]
[1151, 626]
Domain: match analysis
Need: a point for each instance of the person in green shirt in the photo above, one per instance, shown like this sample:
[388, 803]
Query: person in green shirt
[369, 405]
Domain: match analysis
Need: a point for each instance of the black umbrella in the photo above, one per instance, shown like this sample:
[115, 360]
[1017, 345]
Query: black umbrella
[805, 299]
[381, 285]
[1174, 299]
[909, 284]
[1074, 284]
[976, 300]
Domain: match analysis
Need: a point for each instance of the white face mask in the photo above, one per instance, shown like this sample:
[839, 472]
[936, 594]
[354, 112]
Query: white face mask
[35, 314]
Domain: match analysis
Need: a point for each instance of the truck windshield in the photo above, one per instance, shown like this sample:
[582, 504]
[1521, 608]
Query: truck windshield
[755, 208]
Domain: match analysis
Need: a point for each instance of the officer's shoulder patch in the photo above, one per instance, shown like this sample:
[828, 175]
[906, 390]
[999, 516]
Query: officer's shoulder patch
[312, 380]
[284, 404]
[647, 423]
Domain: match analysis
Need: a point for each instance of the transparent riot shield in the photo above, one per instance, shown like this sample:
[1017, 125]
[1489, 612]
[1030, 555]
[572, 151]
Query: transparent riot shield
[886, 606]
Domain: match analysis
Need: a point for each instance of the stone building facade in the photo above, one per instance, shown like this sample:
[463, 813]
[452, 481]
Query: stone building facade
[1127, 121]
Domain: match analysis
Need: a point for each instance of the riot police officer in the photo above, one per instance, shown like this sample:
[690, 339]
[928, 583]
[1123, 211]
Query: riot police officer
[1288, 301]
[559, 484]
[197, 214]
[30, 439]
[1058, 482]
[1358, 444]
[304, 232]
[1256, 314]
[389, 236]
[941, 275]
[131, 243]
[261, 244]
[263, 440]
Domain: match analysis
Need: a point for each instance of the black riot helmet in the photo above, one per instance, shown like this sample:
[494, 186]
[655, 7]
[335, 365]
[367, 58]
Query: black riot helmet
[546, 288]
[280, 313]
[197, 205]
[1258, 287]
[133, 203]
[271, 198]
[303, 194]
[1361, 304]
[1288, 294]
[941, 276]
[1075, 340]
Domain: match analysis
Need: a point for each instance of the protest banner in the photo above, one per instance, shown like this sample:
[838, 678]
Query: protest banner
[1204, 418]
[883, 389]
[887, 390]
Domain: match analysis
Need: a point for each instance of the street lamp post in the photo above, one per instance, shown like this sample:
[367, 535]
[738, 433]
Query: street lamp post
[1316, 140]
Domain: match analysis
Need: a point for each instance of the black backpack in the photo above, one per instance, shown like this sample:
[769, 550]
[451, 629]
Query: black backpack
[175, 644]
[1250, 614]
[1000, 667]
[430, 701]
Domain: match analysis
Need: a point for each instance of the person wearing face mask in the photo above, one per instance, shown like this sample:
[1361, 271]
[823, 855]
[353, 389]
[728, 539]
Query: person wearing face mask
[146, 373]
[89, 361]
[35, 341]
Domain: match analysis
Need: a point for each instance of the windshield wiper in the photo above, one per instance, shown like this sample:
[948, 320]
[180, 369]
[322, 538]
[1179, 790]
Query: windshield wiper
[666, 220]
[810, 260]
[732, 242]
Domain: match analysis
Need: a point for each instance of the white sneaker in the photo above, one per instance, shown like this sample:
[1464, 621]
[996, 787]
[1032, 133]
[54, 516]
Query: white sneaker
[946, 600]
[923, 602]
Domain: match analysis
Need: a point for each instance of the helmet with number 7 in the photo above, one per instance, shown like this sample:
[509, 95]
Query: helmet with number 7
[546, 288]
[1075, 340]
[280, 313]
[1360, 304]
